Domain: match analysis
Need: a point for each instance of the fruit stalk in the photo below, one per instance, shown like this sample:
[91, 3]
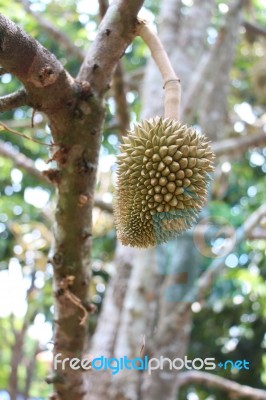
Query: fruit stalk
[172, 85]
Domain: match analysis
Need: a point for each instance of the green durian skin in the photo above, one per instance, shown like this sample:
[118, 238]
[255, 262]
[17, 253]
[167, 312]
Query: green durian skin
[162, 176]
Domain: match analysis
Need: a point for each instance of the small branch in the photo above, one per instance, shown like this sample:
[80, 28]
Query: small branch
[54, 33]
[190, 99]
[103, 5]
[31, 63]
[111, 42]
[5, 127]
[238, 144]
[103, 206]
[13, 100]
[171, 82]
[254, 29]
[25, 163]
[133, 79]
[21, 161]
[2, 71]
[254, 220]
[217, 266]
[243, 232]
[122, 114]
[30, 367]
[210, 380]
[258, 234]
[24, 123]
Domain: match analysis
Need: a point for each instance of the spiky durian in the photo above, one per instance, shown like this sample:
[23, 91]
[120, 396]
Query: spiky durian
[161, 181]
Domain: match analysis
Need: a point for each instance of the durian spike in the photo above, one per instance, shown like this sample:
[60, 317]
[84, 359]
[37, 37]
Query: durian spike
[172, 85]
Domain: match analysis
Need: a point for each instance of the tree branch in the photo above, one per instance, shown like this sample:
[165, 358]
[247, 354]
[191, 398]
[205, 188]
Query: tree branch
[102, 205]
[117, 30]
[238, 144]
[205, 281]
[25, 163]
[13, 100]
[55, 33]
[21, 161]
[243, 232]
[254, 29]
[48, 85]
[103, 5]
[122, 113]
[210, 380]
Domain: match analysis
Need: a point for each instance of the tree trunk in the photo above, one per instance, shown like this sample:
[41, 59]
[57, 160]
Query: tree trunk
[76, 112]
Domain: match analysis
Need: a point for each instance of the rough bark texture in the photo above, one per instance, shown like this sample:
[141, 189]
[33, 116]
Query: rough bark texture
[76, 111]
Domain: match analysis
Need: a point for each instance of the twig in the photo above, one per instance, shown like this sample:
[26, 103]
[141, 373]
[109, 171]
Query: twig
[54, 32]
[5, 127]
[205, 281]
[24, 123]
[171, 82]
[27, 164]
[210, 380]
[111, 42]
[122, 114]
[254, 29]
[103, 5]
[238, 144]
[2, 71]
[13, 100]
[103, 205]
[242, 233]
[21, 161]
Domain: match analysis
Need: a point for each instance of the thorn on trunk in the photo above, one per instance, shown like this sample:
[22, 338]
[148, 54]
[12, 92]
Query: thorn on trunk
[95, 67]
[54, 378]
[54, 396]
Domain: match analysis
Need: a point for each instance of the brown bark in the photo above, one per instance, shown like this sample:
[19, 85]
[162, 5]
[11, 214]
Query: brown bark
[75, 111]
[122, 112]
[13, 100]
[234, 389]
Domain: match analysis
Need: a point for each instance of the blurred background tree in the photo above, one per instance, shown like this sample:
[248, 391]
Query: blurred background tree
[218, 48]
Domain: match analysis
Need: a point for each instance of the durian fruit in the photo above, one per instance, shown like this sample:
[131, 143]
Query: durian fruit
[163, 169]
[161, 181]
